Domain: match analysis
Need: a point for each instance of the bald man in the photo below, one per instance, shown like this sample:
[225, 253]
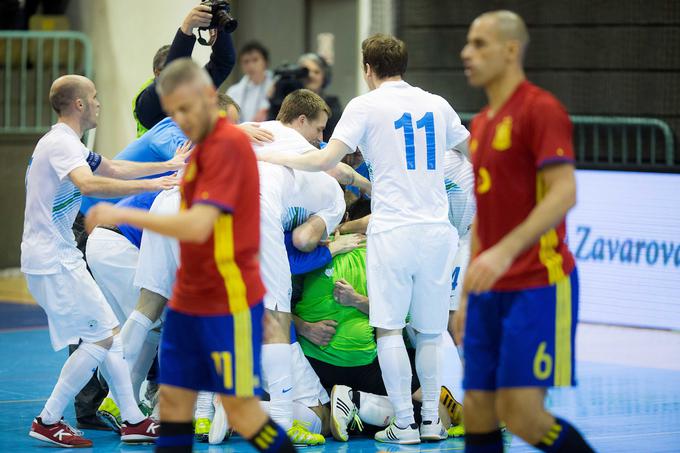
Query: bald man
[61, 170]
[519, 321]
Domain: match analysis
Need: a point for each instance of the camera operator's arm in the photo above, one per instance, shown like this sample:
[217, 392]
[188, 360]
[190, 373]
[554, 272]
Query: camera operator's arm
[222, 59]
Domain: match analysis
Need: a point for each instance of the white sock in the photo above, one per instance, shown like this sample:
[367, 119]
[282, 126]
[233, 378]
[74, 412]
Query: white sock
[278, 382]
[300, 413]
[117, 374]
[75, 373]
[144, 360]
[396, 373]
[134, 334]
[429, 371]
[375, 409]
[204, 406]
[452, 367]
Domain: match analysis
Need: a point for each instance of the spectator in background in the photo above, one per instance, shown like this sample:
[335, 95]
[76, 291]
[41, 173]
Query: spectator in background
[251, 91]
[147, 105]
[319, 79]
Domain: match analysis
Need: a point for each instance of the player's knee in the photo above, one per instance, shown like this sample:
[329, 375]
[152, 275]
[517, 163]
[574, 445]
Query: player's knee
[427, 339]
[151, 304]
[516, 413]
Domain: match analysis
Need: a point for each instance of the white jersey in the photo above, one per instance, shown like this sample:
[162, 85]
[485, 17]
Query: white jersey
[52, 203]
[460, 184]
[314, 193]
[286, 140]
[403, 132]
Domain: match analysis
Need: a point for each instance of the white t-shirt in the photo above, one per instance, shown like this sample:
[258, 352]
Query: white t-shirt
[52, 203]
[286, 140]
[314, 193]
[460, 184]
[402, 132]
[251, 97]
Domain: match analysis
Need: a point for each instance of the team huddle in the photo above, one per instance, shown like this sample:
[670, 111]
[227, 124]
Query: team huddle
[277, 310]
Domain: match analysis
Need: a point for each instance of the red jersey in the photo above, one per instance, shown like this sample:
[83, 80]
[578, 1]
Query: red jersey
[530, 131]
[222, 275]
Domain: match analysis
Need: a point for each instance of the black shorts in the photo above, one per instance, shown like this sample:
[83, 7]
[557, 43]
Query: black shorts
[365, 378]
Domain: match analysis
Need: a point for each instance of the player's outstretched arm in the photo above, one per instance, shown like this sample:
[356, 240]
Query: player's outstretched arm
[125, 169]
[193, 225]
[560, 196]
[321, 160]
[93, 185]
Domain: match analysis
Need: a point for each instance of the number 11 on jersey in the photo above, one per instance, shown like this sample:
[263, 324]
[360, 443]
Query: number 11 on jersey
[427, 122]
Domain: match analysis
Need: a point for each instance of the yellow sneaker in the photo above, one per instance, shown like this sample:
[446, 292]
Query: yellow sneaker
[457, 431]
[453, 407]
[202, 429]
[300, 435]
[109, 414]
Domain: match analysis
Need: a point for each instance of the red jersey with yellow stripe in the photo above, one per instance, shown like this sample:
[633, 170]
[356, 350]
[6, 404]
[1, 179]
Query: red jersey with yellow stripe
[222, 275]
[508, 150]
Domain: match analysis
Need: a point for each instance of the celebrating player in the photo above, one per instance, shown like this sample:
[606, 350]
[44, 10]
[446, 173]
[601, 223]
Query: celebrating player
[523, 303]
[403, 133]
[212, 334]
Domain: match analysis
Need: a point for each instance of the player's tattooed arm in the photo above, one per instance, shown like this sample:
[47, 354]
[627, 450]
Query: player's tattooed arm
[355, 226]
[321, 160]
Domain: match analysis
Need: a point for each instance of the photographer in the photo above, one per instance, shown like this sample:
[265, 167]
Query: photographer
[318, 79]
[148, 109]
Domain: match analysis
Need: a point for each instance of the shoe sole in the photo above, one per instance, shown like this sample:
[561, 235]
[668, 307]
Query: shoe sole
[335, 425]
[202, 438]
[109, 420]
[137, 439]
[433, 438]
[399, 442]
[42, 438]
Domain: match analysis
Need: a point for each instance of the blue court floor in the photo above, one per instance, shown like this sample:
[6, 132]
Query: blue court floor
[619, 407]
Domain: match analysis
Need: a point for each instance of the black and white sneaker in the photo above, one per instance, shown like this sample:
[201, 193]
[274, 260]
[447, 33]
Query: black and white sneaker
[433, 431]
[396, 435]
[344, 413]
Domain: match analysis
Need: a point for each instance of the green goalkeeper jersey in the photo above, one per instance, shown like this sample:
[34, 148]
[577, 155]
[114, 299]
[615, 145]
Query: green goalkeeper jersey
[354, 341]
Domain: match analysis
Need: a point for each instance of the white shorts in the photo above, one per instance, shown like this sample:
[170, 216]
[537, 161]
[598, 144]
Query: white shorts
[275, 182]
[158, 254]
[308, 389]
[408, 271]
[460, 264]
[274, 267]
[113, 261]
[75, 306]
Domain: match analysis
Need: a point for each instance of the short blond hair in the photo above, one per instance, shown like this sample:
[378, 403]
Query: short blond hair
[302, 102]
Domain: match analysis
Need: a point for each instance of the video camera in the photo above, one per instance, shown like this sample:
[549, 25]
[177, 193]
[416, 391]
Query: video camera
[289, 77]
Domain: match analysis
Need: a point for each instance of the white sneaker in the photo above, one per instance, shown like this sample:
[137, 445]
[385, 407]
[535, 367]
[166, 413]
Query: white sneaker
[431, 431]
[395, 435]
[219, 428]
[344, 413]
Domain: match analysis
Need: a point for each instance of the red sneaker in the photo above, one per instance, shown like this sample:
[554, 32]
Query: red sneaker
[61, 434]
[144, 431]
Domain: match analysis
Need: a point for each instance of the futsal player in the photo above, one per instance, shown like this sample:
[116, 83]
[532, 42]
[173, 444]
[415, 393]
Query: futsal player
[403, 132]
[212, 333]
[519, 322]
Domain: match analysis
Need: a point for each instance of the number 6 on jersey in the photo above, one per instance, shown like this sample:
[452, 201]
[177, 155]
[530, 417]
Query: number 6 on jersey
[427, 122]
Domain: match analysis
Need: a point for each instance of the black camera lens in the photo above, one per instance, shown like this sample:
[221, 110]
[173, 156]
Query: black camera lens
[225, 21]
